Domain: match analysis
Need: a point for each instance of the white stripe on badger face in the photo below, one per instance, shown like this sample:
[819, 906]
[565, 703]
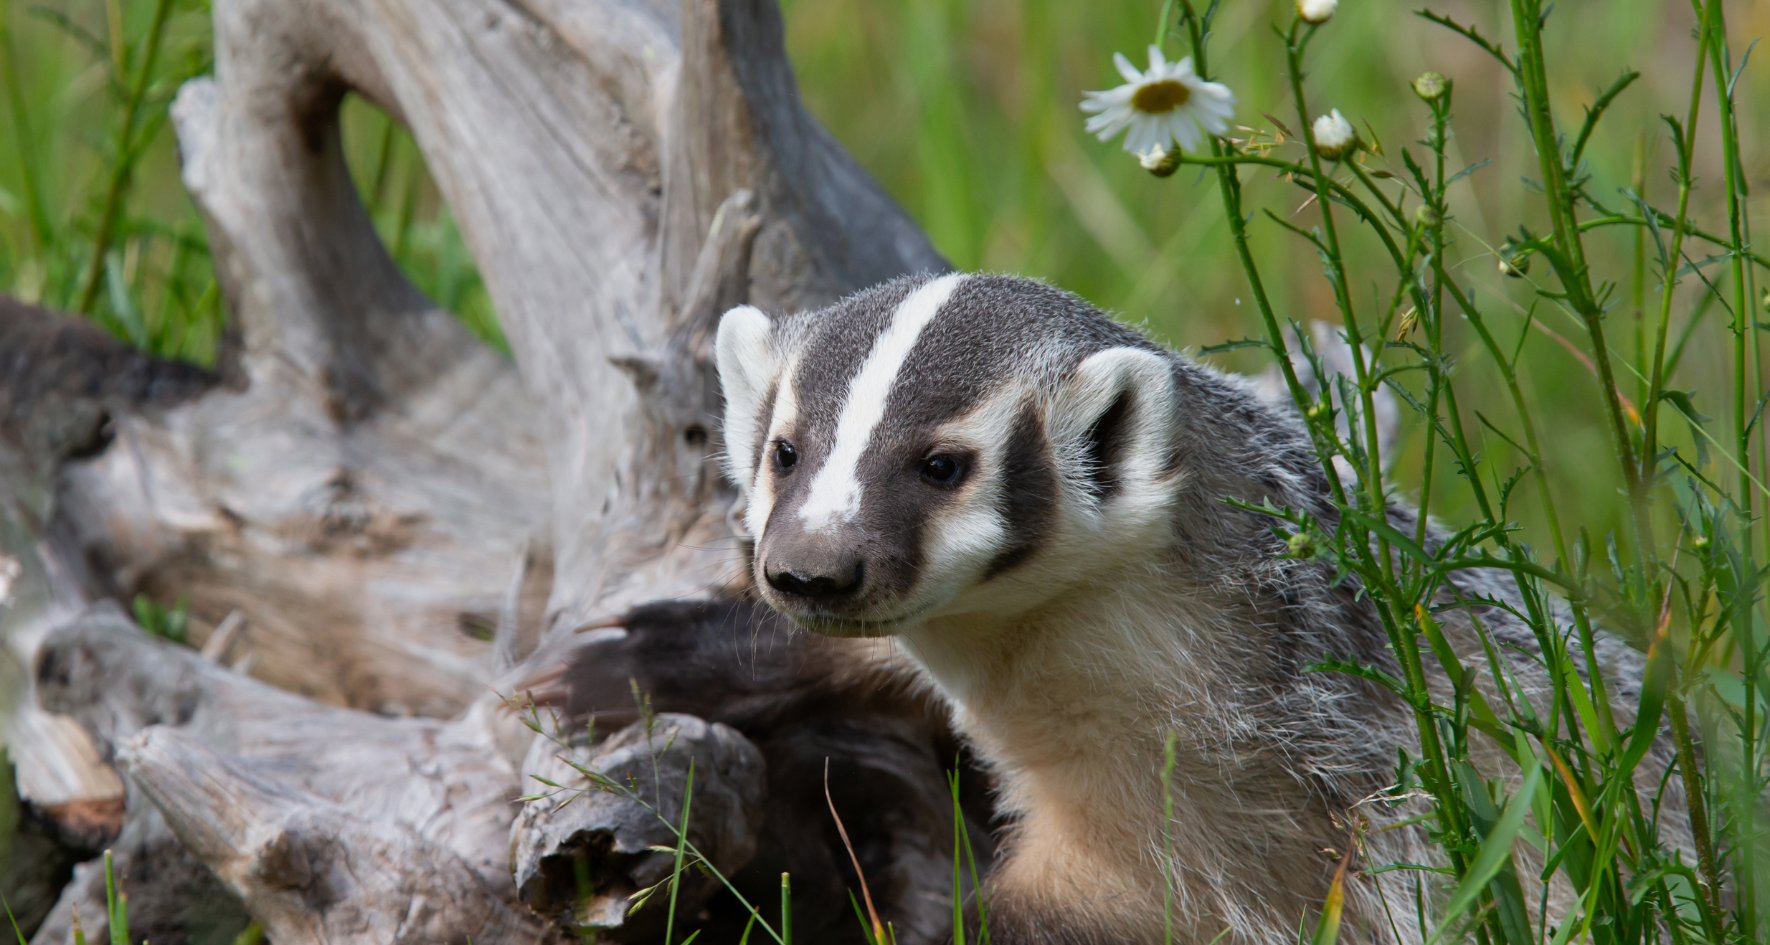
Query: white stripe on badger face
[834, 496]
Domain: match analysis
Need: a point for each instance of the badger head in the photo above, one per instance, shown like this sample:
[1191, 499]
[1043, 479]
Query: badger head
[943, 445]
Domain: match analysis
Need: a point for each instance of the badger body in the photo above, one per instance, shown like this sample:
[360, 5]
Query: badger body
[1027, 497]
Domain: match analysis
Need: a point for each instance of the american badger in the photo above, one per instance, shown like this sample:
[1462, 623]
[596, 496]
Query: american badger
[1027, 498]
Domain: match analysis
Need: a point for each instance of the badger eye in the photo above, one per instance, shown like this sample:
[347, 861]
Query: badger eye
[785, 456]
[942, 470]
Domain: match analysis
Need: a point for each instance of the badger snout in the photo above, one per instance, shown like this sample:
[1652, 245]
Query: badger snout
[817, 580]
[833, 582]
[812, 569]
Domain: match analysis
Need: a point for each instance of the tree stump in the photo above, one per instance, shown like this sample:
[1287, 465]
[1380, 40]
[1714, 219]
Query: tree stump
[359, 486]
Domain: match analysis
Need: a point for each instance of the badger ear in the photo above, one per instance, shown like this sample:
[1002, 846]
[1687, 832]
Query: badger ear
[747, 365]
[1113, 422]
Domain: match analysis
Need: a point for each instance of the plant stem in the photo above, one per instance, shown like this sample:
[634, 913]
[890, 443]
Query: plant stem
[1693, 800]
[1372, 477]
[1432, 316]
[1638, 275]
[1534, 85]
[1669, 280]
[681, 844]
[41, 231]
[786, 909]
[123, 171]
[1716, 49]
[1229, 185]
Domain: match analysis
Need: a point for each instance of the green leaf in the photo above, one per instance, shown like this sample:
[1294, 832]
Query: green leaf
[1329, 664]
[1234, 345]
[1327, 930]
[1653, 692]
[1642, 883]
[17, 933]
[116, 903]
[1681, 400]
[122, 305]
[1495, 852]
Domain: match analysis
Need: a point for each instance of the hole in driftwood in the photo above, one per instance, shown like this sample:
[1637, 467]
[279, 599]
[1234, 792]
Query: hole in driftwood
[413, 219]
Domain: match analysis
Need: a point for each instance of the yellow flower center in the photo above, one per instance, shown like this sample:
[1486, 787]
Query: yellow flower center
[1158, 97]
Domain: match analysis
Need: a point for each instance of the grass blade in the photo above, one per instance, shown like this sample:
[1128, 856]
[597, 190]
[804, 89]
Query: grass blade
[1495, 852]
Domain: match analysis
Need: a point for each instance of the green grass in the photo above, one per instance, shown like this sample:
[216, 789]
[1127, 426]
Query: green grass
[1638, 505]
[1676, 573]
[999, 172]
[93, 217]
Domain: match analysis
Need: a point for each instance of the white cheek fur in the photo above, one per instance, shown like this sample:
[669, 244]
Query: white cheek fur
[960, 542]
[761, 479]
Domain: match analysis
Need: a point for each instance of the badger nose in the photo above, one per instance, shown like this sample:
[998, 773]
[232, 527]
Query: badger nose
[814, 582]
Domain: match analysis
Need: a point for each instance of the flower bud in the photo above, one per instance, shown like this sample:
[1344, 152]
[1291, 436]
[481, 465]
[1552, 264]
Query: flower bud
[1334, 135]
[1431, 86]
[1317, 410]
[1512, 262]
[1408, 321]
[1316, 11]
[1159, 160]
[1425, 215]
[1700, 543]
[1300, 545]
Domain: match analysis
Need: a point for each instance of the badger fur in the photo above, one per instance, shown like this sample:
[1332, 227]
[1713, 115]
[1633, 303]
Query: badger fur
[1027, 498]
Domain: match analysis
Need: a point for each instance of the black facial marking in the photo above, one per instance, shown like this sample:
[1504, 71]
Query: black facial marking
[1029, 490]
[1106, 446]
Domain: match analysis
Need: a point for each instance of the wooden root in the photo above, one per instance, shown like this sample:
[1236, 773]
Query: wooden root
[393, 522]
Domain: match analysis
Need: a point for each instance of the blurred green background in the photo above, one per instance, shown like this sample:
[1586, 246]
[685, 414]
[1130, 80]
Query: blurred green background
[966, 110]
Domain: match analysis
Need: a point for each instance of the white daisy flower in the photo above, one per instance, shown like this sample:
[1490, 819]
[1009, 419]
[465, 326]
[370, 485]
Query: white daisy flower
[1168, 103]
[1317, 11]
[1333, 135]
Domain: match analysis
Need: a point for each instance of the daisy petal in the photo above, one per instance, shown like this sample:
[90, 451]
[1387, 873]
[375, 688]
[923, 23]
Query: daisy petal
[1187, 135]
[1141, 136]
[1126, 69]
[1157, 62]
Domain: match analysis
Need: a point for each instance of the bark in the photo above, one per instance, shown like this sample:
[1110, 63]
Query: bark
[360, 490]
[312, 870]
[590, 848]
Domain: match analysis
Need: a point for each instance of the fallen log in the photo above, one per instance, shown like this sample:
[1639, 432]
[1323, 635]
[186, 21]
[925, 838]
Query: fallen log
[369, 488]
[311, 870]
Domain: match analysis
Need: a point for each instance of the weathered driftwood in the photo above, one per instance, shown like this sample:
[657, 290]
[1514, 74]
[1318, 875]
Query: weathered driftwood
[173, 897]
[589, 848]
[313, 870]
[449, 782]
[371, 490]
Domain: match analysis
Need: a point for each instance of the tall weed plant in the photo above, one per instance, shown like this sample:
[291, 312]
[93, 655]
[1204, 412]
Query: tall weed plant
[93, 216]
[1683, 580]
